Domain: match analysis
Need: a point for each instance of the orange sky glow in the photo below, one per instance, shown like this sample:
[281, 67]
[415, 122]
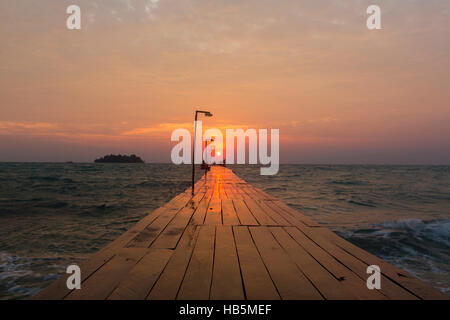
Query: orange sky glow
[137, 70]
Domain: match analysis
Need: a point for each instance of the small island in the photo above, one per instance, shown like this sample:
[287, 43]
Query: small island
[112, 158]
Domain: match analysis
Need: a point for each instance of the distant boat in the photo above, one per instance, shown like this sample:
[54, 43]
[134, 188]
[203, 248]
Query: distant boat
[112, 158]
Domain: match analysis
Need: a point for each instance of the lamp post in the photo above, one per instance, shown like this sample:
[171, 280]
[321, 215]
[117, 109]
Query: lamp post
[206, 156]
[207, 114]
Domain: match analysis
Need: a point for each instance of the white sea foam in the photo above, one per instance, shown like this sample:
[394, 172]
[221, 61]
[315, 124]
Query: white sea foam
[437, 230]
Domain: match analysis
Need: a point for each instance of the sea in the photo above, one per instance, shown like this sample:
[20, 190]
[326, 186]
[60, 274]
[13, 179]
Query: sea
[55, 214]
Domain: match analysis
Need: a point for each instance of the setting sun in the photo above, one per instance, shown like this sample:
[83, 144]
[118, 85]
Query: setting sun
[224, 150]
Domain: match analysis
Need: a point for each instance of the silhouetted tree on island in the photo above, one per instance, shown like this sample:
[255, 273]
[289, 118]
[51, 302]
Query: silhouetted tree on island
[112, 158]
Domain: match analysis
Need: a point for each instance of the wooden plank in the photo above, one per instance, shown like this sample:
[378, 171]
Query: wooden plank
[289, 280]
[264, 194]
[250, 192]
[401, 277]
[147, 235]
[180, 200]
[171, 235]
[259, 214]
[58, 289]
[290, 212]
[168, 284]
[226, 282]
[339, 271]
[260, 196]
[244, 214]
[200, 213]
[326, 284]
[199, 187]
[241, 192]
[214, 213]
[257, 282]
[222, 193]
[229, 215]
[273, 213]
[216, 188]
[100, 284]
[138, 283]
[388, 288]
[235, 194]
[227, 189]
[197, 281]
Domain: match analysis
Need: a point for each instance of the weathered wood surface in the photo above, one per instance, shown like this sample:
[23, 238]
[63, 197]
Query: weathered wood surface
[233, 241]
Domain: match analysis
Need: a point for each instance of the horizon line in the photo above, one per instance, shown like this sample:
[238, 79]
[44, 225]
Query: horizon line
[246, 164]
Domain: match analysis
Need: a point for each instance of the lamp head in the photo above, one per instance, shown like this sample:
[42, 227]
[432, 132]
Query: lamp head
[206, 113]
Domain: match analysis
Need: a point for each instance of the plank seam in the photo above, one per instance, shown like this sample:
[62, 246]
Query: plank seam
[387, 276]
[239, 263]
[298, 267]
[195, 237]
[187, 265]
[264, 263]
[109, 259]
[213, 262]
[339, 261]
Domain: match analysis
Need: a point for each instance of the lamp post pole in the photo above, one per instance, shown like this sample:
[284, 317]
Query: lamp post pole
[206, 156]
[206, 159]
[207, 114]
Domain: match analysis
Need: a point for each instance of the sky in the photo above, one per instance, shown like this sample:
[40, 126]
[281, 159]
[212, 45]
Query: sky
[337, 91]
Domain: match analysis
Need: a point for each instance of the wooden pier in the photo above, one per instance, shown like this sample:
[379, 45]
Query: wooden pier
[233, 241]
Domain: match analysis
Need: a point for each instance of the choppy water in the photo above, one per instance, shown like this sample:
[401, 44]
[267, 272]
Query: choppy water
[52, 215]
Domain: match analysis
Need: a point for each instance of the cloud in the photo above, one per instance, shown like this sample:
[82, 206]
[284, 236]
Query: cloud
[15, 126]
[165, 129]
[58, 131]
[157, 129]
[323, 120]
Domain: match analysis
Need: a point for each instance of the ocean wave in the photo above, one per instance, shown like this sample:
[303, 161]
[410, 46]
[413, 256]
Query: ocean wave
[275, 189]
[348, 182]
[52, 204]
[25, 276]
[366, 203]
[418, 246]
[436, 230]
[406, 232]
[155, 184]
[45, 178]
